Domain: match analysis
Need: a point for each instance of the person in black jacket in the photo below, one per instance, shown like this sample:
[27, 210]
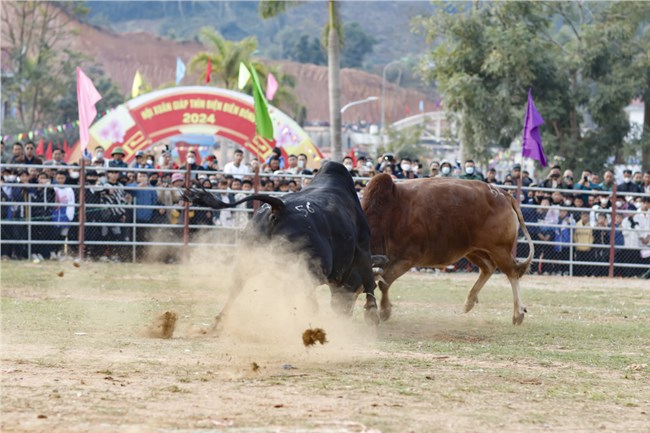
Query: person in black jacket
[43, 195]
[627, 185]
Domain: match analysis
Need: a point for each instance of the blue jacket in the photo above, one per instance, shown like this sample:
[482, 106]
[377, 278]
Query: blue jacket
[147, 197]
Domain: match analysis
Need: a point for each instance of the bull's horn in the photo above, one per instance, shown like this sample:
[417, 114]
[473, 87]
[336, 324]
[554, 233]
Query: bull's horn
[203, 197]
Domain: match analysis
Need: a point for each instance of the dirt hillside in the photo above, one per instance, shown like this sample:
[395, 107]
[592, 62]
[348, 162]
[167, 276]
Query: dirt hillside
[155, 57]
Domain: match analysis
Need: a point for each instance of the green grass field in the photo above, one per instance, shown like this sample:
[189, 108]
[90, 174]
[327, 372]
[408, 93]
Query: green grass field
[75, 357]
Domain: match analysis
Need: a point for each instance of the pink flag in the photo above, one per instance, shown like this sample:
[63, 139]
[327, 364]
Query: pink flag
[271, 87]
[87, 97]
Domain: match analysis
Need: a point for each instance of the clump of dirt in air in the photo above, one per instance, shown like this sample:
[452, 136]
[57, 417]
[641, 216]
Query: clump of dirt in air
[312, 336]
[60, 274]
[163, 325]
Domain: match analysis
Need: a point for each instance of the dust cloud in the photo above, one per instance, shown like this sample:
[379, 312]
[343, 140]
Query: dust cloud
[279, 300]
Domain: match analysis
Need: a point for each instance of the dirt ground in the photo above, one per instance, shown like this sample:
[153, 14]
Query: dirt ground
[77, 357]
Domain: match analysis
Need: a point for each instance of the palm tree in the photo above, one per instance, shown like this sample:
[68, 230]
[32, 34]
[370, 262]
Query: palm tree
[227, 55]
[272, 8]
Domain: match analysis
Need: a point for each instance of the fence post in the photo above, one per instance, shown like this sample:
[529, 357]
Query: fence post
[186, 215]
[571, 241]
[612, 232]
[82, 207]
[29, 226]
[134, 234]
[256, 187]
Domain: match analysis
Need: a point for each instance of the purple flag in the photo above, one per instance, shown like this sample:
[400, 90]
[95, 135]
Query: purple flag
[532, 143]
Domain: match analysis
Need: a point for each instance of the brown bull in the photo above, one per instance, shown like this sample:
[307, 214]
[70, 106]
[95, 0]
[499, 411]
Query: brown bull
[435, 222]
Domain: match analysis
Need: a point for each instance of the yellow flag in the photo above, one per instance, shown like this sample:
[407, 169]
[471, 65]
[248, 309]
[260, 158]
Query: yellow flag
[244, 76]
[137, 83]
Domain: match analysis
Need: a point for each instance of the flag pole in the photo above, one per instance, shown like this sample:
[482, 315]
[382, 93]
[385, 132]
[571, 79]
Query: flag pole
[82, 207]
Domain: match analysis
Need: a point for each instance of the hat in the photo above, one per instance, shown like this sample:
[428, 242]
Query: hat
[177, 176]
[516, 167]
[137, 154]
[118, 150]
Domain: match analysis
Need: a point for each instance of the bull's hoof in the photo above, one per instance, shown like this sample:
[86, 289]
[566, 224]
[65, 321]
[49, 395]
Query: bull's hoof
[518, 319]
[371, 316]
[384, 314]
[469, 304]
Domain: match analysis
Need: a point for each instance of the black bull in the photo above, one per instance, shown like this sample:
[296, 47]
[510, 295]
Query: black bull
[324, 221]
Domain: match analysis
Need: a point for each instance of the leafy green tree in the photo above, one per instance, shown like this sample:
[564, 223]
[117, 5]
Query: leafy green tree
[307, 50]
[580, 59]
[357, 45]
[404, 143]
[272, 8]
[225, 56]
[67, 109]
[37, 34]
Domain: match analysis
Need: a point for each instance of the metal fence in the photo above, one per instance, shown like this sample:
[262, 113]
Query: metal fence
[132, 223]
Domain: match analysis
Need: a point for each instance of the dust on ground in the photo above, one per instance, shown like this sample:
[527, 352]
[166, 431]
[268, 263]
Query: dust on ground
[74, 361]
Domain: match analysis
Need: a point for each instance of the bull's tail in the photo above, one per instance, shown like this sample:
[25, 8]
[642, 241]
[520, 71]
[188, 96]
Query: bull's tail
[522, 267]
[203, 197]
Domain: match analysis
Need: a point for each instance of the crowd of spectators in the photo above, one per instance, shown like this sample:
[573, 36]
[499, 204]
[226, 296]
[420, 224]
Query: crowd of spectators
[569, 218]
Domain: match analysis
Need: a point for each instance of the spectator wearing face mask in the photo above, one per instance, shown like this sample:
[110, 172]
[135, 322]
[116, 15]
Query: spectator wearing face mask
[601, 206]
[98, 156]
[470, 172]
[628, 185]
[140, 160]
[190, 161]
[406, 171]
[445, 169]
[349, 166]
[302, 161]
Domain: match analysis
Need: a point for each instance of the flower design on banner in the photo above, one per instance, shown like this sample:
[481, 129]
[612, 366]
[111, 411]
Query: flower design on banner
[287, 137]
[113, 132]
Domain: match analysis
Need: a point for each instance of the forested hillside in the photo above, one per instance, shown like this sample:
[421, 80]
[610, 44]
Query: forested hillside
[387, 23]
